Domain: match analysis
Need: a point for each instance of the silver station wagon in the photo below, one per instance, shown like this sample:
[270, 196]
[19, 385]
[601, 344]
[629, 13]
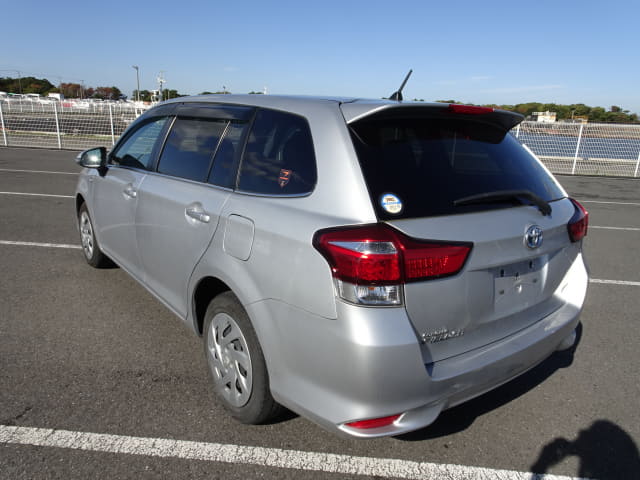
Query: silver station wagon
[364, 263]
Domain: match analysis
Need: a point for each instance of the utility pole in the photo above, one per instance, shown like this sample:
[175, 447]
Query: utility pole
[137, 82]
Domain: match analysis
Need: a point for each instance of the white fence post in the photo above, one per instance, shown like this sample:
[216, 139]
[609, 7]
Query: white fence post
[635, 174]
[575, 157]
[55, 114]
[113, 137]
[518, 131]
[4, 131]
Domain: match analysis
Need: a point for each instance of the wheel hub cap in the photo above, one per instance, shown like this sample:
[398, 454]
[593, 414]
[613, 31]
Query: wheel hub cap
[229, 360]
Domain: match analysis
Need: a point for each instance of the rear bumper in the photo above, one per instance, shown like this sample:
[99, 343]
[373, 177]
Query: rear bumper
[458, 379]
[367, 363]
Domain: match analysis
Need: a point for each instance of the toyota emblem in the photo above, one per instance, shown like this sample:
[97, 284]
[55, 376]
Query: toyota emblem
[533, 237]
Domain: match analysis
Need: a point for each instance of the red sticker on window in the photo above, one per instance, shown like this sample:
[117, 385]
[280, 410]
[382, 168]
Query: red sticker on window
[285, 176]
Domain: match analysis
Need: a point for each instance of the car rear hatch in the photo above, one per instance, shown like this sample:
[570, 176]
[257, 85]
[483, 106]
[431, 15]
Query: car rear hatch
[454, 176]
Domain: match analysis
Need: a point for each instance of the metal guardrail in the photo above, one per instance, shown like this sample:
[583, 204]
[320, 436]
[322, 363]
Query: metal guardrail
[579, 149]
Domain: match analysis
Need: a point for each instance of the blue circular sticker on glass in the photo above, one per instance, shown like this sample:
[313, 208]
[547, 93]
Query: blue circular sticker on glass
[391, 203]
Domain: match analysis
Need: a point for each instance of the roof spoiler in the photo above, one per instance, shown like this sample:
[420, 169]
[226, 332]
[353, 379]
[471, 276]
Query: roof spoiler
[502, 119]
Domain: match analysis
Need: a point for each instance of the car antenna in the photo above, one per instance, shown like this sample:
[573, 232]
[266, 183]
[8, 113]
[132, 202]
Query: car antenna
[397, 96]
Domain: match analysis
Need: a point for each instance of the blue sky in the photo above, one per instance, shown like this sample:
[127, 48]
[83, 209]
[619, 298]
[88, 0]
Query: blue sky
[482, 51]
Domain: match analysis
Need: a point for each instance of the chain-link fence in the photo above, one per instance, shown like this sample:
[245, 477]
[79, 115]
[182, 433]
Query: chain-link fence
[582, 149]
[64, 125]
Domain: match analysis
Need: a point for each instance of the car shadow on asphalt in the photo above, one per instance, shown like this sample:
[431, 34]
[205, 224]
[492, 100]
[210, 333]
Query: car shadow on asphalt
[458, 419]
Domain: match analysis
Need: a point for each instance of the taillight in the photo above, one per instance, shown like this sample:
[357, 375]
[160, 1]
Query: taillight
[469, 109]
[579, 222]
[371, 263]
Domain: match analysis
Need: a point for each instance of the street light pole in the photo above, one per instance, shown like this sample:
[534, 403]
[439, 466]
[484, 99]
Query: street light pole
[137, 81]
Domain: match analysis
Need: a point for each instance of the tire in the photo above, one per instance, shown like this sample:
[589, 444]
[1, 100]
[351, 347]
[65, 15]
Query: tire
[90, 247]
[236, 362]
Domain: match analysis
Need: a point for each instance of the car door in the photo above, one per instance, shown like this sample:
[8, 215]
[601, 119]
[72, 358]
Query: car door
[116, 191]
[178, 208]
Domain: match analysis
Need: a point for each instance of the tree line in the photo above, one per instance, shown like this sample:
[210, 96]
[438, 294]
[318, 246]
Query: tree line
[43, 87]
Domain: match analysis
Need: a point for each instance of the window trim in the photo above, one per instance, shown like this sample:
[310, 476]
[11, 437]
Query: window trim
[237, 155]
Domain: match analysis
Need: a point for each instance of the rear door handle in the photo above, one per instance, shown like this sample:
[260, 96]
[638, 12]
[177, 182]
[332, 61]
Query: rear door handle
[198, 214]
[130, 192]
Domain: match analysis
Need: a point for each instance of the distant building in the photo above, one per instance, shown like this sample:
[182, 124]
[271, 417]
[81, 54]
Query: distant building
[544, 117]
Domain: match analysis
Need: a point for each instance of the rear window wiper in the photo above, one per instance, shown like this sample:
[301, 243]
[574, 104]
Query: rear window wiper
[519, 195]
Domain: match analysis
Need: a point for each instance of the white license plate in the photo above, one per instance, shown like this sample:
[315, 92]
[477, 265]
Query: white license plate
[519, 285]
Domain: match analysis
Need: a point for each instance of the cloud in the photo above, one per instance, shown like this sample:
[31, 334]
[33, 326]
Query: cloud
[230, 69]
[480, 78]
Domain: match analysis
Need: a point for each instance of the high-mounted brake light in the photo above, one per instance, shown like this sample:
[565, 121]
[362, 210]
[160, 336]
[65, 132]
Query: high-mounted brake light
[374, 422]
[469, 109]
[371, 263]
[579, 222]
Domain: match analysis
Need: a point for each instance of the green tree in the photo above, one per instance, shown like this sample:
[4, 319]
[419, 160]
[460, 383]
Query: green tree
[145, 95]
[108, 93]
[167, 94]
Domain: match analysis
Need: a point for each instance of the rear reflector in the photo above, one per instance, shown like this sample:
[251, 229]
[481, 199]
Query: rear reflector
[579, 223]
[374, 422]
[469, 109]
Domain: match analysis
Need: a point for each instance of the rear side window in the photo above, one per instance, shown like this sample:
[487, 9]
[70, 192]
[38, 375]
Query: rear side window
[136, 150]
[279, 157]
[426, 164]
[189, 148]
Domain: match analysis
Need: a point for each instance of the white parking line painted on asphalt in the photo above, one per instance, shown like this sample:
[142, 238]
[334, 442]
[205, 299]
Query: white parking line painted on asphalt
[248, 455]
[37, 194]
[627, 229]
[36, 171]
[36, 244]
[614, 282]
[610, 203]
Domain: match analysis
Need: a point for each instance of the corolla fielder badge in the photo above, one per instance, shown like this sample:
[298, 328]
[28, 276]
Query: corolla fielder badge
[391, 203]
[533, 237]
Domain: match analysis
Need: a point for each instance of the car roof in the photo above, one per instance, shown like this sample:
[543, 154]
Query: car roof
[353, 108]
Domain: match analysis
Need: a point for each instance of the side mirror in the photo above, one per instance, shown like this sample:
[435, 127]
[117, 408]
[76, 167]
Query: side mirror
[93, 158]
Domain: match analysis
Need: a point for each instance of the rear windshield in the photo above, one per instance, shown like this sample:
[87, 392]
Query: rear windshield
[419, 167]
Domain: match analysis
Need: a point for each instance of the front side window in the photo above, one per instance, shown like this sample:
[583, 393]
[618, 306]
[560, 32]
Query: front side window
[279, 158]
[189, 148]
[136, 150]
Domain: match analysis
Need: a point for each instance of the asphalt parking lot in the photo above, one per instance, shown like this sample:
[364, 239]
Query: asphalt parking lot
[99, 380]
